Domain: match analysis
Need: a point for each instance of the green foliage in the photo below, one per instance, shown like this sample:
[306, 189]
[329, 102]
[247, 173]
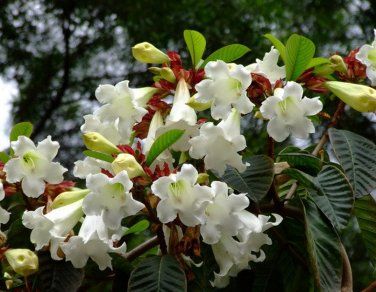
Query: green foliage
[159, 274]
[323, 247]
[4, 157]
[317, 61]
[162, 143]
[196, 44]
[255, 180]
[357, 156]
[21, 129]
[365, 211]
[98, 155]
[278, 45]
[138, 227]
[227, 54]
[299, 52]
[302, 160]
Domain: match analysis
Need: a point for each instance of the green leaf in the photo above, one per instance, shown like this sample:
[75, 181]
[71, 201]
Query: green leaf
[227, 54]
[255, 180]
[196, 44]
[158, 274]
[21, 129]
[336, 199]
[138, 227]
[304, 178]
[316, 62]
[4, 158]
[162, 143]
[357, 156]
[323, 248]
[365, 212]
[99, 155]
[278, 45]
[302, 161]
[299, 52]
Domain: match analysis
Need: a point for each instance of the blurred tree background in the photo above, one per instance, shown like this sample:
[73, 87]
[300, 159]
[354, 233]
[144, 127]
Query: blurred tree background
[58, 51]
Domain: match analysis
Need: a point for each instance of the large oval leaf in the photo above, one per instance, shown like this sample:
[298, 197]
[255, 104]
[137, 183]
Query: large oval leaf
[365, 212]
[227, 54]
[158, 274]
[255, 180]
[299, 52]
[323, 248]
[357, 156]
[196, 44]
[21, 129]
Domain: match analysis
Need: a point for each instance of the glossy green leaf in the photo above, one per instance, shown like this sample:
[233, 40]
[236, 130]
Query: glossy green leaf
[98, 155]
[4, 158]
[196, 44]
[278, 45]
[299, 52]
[302, 161]
[162, 143]
[21, 129]
[303, 178]
[228, 53]
[323, 247]
[255, 180]
[365, 212]
[357, 156]
[316, 62]
[158, 274]
[138, 227]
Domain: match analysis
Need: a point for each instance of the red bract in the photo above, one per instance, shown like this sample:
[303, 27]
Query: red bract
[313, 82]
[259, 89]
[356, 71]
[53, 190]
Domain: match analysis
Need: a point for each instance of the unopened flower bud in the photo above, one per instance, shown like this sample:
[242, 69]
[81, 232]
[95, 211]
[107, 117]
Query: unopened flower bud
[96, 142]
[202, 178]
[147, 53]
[168, 74]
[338, 64]
[198, 106]
[324, 69]
[67, 198]
[23, 261]
[127, 162]
[155, 70]
[360, 97]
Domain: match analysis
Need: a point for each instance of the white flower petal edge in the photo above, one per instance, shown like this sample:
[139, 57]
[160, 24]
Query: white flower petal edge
[4, 214]
[33, 165]
[287, 111]
[181, 196]
[226, 86]
[367, 56]
[268, 66]
[220, 144]
[82, 168]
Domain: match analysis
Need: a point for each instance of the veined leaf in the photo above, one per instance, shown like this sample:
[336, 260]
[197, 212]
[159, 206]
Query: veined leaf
[227, 54]
[278, 45]
[21, 129]
[196, 44]
[357, 156]
[302, 161]
[299, 52]
[98, 155]
[162, 143]
[138, 227]
[255, 180]
[304, 178]
[158, 274]
[323, 248]
[365, 212]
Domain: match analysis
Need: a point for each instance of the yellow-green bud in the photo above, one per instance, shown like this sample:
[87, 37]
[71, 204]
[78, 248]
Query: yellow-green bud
[155, 70]
[147, 53]
[198, 106]
[127, 162]
[324, 69]
[23, 261]
[69, 197]
[360, 97]
[203, 178]
[96, 142]
[338, 64]
[168, 74]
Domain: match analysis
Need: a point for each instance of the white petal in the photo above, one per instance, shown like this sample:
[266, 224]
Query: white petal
[311, 106]
[371, 74]
[55, 173]
[217, 70]
[48, 148]
[33, 187]
[293, 89]
[160, 187]
[14, 170]
[166, 213]
[302, 128]
[22, 145]
[268, 106]
[4, 216]
[188, 173]
[277, 129]
[105, 93]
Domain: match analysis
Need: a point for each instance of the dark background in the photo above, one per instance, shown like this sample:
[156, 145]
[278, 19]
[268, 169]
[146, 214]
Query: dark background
[57, 52]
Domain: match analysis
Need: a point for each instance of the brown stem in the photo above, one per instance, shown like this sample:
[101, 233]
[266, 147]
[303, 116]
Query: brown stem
[271, 147]
[347, 281]
[370, 288]
[142, 248]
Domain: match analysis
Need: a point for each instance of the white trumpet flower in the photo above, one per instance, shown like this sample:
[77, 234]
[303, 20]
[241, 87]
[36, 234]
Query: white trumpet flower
[288, 110]
[33, 165]
[181, 196]
[367, 55]
[226, 87]
[220, 144]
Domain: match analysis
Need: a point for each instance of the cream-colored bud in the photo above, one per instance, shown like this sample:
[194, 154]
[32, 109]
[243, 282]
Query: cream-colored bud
[202, 178]
[168, 74]
[338, 64]
[96, 142]
[23, 261]
[360, 97]
[198, 106]
[127, 162]
[147, 53]
[155, 70]
[69, 197]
